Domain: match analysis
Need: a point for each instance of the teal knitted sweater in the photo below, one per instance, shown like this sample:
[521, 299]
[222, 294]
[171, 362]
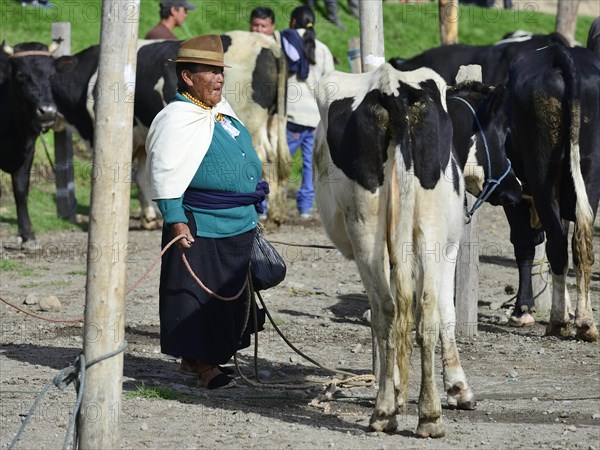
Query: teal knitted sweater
[230, 165]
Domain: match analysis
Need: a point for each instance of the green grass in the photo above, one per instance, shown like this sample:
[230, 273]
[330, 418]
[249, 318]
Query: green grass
[9, 265]
[408, 29]
[77, 272]
[45, 284]
[156, 393]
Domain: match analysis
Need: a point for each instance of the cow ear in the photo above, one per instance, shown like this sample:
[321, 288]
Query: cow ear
[66, 64]
[497, 99]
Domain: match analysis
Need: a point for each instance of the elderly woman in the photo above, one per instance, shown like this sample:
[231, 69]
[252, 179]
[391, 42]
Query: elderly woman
[204, 173]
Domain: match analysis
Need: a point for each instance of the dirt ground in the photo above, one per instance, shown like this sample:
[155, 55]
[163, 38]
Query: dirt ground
[532, 391]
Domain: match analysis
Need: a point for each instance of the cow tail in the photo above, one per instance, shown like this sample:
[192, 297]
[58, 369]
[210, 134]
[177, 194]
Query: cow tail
[399, 241]
[584, 217]
[283, 152]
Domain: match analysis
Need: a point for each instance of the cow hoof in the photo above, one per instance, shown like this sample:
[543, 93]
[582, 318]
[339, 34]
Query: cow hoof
[468, 405]
[558, 329]
[383, 423]
[154, 224]
[433, 428]
[524, 320]
[463, 399]
[587, 332]
[29, 245]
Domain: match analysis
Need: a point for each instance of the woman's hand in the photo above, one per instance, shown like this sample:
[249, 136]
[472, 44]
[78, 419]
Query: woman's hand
[182, 228]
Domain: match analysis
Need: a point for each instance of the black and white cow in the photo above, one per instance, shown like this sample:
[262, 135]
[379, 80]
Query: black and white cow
[26, 110]
[255, 85]
[494, 59]
[554, 113]
[390, 192]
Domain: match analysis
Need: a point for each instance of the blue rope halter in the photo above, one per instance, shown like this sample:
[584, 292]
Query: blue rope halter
[490, 184]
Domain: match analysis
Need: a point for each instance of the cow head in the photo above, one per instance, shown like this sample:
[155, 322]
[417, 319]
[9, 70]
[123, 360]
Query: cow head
[31, 68]
[480, 129]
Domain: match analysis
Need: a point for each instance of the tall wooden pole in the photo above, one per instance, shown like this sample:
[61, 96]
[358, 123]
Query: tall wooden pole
[99, 421]
[566, 19]
[466, 282]
[372, 49]
[448, 21]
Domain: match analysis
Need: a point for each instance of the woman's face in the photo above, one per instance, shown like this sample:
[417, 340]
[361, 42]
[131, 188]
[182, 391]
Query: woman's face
[206, 84]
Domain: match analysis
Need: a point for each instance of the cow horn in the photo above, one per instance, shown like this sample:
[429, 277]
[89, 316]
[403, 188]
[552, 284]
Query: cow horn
[7, 48]
[53, 47]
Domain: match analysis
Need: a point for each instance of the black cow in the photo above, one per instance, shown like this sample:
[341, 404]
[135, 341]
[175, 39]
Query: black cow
[26, 110]
[479, 126]
[554, 112]
[494, 59]
[593, 40]
[254, 85]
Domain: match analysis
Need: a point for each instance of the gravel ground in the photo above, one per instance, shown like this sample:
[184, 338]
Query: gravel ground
[533, 391]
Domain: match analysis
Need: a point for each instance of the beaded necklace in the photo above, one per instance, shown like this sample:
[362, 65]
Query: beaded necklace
[201, 104]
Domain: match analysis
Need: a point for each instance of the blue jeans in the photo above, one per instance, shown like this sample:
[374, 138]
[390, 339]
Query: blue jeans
[303, 137]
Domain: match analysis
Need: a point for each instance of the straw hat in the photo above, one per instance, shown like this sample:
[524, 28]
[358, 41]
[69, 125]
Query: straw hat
[206, 49]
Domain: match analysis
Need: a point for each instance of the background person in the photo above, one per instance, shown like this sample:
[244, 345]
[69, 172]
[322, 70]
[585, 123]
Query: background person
[262, 20]
[204, 173]
[308, 60]
[332, 13]
[172, 14]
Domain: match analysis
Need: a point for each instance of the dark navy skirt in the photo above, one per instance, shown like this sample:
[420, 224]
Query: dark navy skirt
[193, 324]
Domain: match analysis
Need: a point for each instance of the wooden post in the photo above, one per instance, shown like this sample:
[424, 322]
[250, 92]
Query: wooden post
[354, 54]
[448, 10]
[566, 19]
[66, 203]
[372, 52]
[466, 290]
[99, 420]
[372, 49]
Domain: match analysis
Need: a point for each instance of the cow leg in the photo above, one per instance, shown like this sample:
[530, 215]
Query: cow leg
[371, 260]
[150, 220]
[558, 257]
[459, 394]
[266, 151]
[524, 239]
[20, 184]
[383, 316]
[584, 317]
[428, 323]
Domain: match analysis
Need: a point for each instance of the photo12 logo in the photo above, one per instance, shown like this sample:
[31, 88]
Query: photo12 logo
[69, 11]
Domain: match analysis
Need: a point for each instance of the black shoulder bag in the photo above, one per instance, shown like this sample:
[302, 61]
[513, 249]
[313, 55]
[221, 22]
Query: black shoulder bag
[267, 267]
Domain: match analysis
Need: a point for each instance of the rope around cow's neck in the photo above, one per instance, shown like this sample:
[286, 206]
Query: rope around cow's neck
[490, 183]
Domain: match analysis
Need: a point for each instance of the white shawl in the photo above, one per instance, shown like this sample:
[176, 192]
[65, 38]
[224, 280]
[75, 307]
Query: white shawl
[177, 142]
